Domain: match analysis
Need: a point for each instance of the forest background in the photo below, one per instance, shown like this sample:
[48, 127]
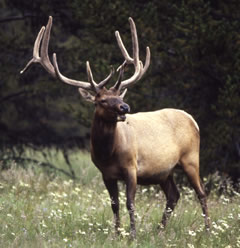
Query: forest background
[195, 66]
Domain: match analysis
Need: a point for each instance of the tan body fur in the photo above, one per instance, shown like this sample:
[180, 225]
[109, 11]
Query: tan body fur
[153, 143]
[144, 149]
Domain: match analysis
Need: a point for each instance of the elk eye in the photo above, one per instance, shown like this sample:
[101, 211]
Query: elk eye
[103, 101]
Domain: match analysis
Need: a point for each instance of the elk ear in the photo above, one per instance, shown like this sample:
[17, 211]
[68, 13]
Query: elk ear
[86, 95]
[123, 93]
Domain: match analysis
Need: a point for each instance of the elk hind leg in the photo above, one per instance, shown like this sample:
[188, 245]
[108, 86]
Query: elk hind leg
[172, 195]
[191, 168]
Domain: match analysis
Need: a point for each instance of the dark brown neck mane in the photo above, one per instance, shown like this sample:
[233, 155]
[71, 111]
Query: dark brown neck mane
[102, 138]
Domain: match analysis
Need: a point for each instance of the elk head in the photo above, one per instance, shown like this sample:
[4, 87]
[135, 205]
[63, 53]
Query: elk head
[109, 102]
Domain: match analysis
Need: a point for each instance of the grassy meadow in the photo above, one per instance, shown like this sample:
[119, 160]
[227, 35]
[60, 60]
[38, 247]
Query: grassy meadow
[44, 208]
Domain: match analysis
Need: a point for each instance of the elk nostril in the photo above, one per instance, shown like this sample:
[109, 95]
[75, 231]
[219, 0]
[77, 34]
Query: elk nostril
[124, 108]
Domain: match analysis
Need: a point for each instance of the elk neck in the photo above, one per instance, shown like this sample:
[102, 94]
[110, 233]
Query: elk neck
[103, 136]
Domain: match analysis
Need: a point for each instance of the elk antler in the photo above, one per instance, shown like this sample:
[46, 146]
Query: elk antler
[138, 65]
[43, 59]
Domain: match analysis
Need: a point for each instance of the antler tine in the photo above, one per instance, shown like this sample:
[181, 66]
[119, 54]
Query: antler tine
[122, 48]
[123, 64]
[138, 65]
[36, 57]
[134, 40]
[147, 62]
[45, 62]
[121, 68]
[37, 43]
[106, 80]
[90, 77]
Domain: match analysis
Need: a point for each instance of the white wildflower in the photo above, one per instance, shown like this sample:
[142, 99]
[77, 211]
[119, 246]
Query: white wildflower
[144, 190]
[191, 233]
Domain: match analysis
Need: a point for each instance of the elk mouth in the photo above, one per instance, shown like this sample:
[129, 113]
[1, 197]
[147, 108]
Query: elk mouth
[121, 117]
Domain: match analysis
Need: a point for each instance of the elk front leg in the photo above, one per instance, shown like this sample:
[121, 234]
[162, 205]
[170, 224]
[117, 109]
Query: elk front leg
[131, 182]
[112, 188]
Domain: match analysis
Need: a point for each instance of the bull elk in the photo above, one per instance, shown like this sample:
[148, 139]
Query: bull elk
[141, 148]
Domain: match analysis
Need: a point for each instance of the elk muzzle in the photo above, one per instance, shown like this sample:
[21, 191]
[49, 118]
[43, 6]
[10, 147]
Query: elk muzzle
[122, 110]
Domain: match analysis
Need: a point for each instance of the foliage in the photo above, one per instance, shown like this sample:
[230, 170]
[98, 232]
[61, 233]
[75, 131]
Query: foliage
[194, 66]
[53, 162]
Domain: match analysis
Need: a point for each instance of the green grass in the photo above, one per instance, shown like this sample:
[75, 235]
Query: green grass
[41, 210]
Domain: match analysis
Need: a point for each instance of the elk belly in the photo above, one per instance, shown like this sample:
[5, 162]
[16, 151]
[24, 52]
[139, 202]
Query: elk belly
[153, 179]
[153, 173]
